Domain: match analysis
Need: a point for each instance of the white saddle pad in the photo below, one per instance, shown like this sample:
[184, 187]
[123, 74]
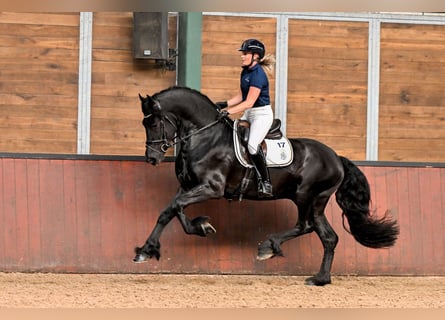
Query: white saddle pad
[279, 151]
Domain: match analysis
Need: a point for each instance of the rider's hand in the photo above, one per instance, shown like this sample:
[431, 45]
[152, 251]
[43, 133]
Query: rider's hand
[223, 115]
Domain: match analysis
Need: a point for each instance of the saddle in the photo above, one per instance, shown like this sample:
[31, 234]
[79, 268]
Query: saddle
[276, 146]
[244, 130]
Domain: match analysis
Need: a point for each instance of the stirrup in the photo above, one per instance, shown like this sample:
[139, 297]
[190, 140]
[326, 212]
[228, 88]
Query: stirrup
[264, 189]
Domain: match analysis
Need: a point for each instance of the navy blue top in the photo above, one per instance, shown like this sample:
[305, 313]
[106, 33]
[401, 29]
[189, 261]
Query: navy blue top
[257, 78]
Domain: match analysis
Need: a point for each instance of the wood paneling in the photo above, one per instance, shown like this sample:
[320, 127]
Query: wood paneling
[412, 100]
[38, 82]
[327, 82]
[117, 79]
[61, 215]
[327, 88]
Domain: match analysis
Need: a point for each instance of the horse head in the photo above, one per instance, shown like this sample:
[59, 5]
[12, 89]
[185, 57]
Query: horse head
[159, 130]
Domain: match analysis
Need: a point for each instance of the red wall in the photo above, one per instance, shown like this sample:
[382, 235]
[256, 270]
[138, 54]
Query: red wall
[88, 215]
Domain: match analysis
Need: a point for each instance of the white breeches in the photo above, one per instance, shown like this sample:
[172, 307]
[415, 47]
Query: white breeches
[260, 119]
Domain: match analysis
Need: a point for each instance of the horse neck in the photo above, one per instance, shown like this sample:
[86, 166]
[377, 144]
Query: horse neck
[191, 110]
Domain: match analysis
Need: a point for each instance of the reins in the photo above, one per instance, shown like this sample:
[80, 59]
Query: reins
[176, 139]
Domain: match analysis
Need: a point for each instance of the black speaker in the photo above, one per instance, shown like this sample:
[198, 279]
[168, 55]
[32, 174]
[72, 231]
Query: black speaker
[150, 35]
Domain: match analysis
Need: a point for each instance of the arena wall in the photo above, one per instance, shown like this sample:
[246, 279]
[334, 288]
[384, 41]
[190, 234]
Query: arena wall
[87, 215]
[348, 80]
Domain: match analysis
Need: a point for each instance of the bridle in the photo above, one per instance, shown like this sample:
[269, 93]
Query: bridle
[166, 144]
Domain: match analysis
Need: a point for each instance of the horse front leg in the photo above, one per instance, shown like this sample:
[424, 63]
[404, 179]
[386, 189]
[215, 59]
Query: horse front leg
[199, 226]
[152, 246]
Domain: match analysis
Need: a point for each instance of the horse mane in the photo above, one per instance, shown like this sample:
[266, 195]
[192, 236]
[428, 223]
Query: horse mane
[183, 88]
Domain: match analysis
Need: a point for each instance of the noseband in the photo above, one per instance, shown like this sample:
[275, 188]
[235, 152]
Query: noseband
[165, 143]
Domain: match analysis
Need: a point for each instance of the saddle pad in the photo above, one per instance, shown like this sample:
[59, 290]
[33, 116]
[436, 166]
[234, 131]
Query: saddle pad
[279, 151]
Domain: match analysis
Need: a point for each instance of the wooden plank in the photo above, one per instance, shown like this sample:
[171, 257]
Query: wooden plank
[328, 28]
[84, 170]
[440, 224]
[3, 226]
[34, 214]
[328, 41]
[37, 100]
[236, 25]
[415, 217]
[429, 183]
[113, 18]
[55, 19]
[411, 149]
[412, 88]
[70, 216]
[35, 31]
[21, 214]
[52, 220]
[38, 54]
[406, 77]
[377, 258]
[10, 220]
[393, 32]
[33, 88]
[52, 66]
[43, 42]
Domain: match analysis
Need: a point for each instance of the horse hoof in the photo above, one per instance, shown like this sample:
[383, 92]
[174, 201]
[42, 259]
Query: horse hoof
[313, 281]
[140, 258]
[264, 256]
[207, 228]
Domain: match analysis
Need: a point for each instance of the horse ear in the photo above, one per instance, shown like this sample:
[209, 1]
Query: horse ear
[145, 104]
[149, 104]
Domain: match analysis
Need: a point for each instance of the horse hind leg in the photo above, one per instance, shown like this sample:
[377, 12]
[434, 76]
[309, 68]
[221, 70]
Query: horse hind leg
[329, 240]
[271, 247]
[310, 218]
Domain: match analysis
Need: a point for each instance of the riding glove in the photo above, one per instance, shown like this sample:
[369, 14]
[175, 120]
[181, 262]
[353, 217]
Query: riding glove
[221, 105]
[223, 115]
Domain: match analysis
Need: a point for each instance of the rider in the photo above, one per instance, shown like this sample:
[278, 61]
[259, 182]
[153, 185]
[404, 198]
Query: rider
[253, 99]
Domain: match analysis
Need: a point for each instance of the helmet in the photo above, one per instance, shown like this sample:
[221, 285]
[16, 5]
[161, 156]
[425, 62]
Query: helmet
[254, 46]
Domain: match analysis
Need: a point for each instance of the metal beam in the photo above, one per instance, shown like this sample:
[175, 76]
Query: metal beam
[189, 49]
[281, 70]
[372, 130]
[84, 91]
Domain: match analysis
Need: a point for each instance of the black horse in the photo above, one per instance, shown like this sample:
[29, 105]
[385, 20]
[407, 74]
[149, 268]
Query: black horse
[207, 168]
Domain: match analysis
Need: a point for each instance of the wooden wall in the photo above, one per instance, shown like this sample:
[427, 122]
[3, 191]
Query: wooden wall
[39, 56]
[64, 215]
[412, 93]
[221, 60]
[117, 79]
[327, 83]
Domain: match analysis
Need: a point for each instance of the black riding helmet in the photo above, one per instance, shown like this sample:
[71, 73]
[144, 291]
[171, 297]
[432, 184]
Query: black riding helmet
[254, 46]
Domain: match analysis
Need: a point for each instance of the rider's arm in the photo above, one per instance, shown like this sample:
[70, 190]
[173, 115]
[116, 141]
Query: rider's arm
[236, 106]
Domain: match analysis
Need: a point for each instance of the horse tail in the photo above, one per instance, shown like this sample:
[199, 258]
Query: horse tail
[354, 196]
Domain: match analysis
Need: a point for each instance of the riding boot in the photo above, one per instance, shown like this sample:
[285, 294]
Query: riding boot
[264, 185]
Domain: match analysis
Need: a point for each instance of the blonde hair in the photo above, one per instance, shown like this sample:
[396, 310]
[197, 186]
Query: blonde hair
[268, 63]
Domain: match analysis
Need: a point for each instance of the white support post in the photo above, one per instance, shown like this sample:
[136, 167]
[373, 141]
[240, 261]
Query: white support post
[372, 132]
[281, 70]
[84, 92]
